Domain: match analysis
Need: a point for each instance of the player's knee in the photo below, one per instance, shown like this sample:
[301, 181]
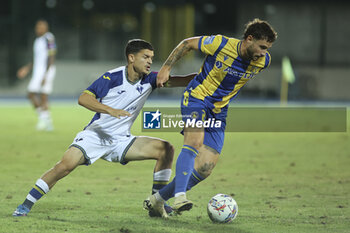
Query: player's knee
[30, 95]
[196, 144]
[166, 152]
[62, 168]
[170, 150]
[205, 170]
[205, 174]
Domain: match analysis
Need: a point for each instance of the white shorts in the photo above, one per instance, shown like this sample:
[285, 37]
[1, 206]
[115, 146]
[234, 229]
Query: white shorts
[37, 77]
[94, 147]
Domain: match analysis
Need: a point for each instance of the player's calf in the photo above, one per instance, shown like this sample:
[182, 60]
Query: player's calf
[164, 152]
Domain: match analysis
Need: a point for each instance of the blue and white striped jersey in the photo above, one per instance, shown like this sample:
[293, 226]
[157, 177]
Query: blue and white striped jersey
[114, 89]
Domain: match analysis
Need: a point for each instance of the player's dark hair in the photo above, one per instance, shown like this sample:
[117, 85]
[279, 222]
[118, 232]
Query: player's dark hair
[136, 45]
[260, 30]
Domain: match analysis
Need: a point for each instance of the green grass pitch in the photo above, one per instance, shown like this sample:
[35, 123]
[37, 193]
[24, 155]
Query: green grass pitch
[282, 182]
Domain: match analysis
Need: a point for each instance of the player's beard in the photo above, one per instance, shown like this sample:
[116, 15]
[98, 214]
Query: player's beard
[140, 70]
[250, 54]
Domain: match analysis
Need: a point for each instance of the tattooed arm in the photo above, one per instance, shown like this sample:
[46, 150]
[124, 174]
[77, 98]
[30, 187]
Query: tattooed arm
[181, 50]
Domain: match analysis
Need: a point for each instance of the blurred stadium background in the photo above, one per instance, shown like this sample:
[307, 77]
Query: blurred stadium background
[91, 35]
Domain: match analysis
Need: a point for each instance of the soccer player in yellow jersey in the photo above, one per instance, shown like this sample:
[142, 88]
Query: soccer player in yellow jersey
[230, 63]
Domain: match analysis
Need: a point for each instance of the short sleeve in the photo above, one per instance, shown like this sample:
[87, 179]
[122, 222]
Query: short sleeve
[51, 44]
[151, 78]
[100, 87]
[210, 44]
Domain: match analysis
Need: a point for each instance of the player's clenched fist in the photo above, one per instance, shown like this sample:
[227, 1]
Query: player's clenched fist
[162, 77]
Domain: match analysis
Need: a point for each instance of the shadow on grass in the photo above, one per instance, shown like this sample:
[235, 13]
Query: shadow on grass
[102, 223]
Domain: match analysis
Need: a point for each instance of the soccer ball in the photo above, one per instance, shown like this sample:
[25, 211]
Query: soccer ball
[222, 208]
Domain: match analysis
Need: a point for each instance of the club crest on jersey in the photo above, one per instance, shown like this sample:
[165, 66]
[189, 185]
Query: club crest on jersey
[194, 115]
[139, 88]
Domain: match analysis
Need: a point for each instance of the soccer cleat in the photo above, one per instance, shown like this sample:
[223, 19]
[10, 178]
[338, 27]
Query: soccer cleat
[49, 125]
[21, 210]
[44, 125]
[167, 208]
[181, 204]
[41, 125]
[156, 207]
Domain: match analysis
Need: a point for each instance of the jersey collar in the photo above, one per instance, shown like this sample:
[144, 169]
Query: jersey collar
[239, 48]
[127, 77]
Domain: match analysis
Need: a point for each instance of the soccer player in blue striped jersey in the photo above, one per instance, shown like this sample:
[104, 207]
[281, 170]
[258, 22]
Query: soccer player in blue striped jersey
[117, 97]
[230, 63]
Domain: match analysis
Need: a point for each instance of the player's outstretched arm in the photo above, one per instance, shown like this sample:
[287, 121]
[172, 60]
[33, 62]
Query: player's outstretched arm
[24, 71]
[179, 80]
[181, 50]
[90, 102]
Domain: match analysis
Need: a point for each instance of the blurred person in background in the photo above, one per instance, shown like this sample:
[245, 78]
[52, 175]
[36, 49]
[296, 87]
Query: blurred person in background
[44, 70]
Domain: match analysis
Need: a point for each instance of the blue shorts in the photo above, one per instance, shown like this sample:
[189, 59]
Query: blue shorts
[193, 108]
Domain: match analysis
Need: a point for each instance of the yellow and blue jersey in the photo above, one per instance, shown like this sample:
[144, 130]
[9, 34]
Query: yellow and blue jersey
[224, 71]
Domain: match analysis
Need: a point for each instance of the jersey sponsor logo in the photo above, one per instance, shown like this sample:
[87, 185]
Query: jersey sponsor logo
[236, 73]
[218, 64]
[121, 92]
[209, 40]
[151, 120]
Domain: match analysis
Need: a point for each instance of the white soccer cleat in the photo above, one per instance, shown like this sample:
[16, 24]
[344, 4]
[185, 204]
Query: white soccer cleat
[44, 125]
[41, 125]
[181, 204]
[49, 125]
[154, 205]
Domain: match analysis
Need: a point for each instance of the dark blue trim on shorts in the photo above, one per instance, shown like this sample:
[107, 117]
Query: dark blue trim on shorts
[126, 151]
[87, 159]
